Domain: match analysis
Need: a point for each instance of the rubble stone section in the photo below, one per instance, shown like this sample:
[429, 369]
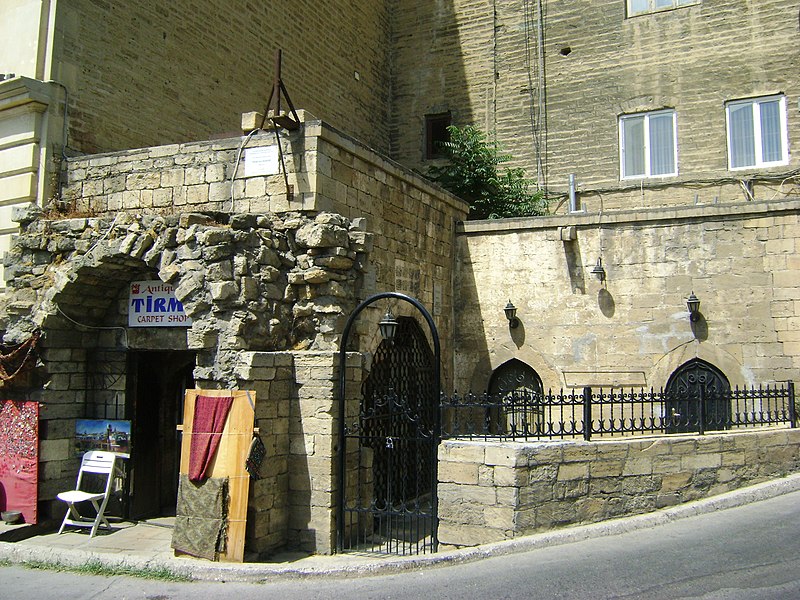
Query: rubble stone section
[249, 282]
[491, 491]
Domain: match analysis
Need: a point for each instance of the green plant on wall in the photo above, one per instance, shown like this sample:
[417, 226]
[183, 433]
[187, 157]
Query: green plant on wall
[470, 171]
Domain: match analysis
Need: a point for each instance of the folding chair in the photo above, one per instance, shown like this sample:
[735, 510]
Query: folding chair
[100, 463]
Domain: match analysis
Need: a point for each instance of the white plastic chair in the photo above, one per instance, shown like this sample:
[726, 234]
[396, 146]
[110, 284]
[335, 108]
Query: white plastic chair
[101, 463]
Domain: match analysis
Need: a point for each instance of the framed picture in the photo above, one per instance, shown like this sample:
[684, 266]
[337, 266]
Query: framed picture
[102, 434]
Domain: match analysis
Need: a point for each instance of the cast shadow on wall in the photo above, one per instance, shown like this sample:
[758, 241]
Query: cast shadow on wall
[605, 300]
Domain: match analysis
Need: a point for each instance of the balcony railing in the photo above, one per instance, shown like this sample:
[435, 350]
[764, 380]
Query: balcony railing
[527, 415]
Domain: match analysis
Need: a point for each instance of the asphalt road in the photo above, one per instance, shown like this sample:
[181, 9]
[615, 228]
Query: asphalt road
[751, 552]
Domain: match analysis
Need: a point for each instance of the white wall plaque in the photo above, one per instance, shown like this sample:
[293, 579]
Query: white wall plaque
[261, 161]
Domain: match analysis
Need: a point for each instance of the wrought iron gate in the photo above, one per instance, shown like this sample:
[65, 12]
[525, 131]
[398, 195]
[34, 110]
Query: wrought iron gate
[390, 466]
[697, 398]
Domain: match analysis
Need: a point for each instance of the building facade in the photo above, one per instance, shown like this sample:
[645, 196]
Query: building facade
[646, 104]
[677, 121]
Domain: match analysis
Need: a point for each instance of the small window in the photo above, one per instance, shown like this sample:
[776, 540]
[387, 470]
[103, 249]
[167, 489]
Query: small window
[436, 133]
[648, 144]
[757, 132]
[642, 7]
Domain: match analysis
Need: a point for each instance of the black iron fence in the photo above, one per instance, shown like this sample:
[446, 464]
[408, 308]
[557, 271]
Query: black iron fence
[529, 415]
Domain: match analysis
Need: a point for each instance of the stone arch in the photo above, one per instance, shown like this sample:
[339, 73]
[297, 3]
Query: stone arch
[736, 373]
[551, 377]
[513, 375]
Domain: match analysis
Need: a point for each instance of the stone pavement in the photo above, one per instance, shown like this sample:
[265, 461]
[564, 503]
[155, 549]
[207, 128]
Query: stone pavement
[146, 545]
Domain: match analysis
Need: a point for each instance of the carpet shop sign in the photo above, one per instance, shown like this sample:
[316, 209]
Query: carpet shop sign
[153, 304]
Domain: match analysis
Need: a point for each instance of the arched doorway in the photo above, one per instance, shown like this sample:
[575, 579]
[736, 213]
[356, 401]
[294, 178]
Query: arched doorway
[394, 465]
[517, 389]
[132, 377]
[697, 399]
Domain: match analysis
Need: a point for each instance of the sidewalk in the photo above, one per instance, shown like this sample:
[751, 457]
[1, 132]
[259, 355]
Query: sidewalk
[146, 545]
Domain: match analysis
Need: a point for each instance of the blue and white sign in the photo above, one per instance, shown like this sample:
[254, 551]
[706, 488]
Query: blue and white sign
[153, 304]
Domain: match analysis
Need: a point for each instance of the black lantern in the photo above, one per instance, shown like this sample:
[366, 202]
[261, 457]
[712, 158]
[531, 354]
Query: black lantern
[598, 270]
[693, 304]
[388, 326]
[511, 315]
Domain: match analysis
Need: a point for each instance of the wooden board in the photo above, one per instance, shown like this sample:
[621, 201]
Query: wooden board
[229, 460]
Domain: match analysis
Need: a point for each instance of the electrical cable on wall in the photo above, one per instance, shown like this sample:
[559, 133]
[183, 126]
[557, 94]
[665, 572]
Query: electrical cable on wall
[236, 163]
[763, 178]
[94, 327]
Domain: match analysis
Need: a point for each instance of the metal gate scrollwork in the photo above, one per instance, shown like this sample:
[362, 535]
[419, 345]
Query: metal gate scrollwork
[698, 398]
[389, 464]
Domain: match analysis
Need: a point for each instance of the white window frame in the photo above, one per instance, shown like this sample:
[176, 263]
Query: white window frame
[657, 6]
[756, 103]
[646, 149]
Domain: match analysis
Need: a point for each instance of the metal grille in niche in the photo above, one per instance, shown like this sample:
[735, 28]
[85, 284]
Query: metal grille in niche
[698, 398]
[390, 478]
[519, 412]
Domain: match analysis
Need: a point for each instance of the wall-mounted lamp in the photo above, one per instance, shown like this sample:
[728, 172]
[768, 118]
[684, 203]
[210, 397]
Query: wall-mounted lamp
[693, 304]
[598, 270]
[511, 315]
[388, 326]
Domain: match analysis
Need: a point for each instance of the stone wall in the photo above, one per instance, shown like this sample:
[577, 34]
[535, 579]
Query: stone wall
[549, 82]
[632, 330]
[405, 224]
[243, 282]
[491, 491]
[149, 73]
[267, 273]
[293, 503]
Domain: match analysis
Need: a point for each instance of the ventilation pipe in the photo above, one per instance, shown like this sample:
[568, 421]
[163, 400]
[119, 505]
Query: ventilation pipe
[573, 197]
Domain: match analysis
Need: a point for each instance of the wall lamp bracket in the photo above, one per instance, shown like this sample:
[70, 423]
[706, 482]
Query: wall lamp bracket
[511, 314]
[693, 304]
[598, 270]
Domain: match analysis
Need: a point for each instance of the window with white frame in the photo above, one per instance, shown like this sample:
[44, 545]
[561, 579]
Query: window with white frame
[641, 7]
[648, 145]
[757, 132]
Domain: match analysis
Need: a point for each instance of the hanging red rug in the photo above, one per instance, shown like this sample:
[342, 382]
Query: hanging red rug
[210, 414]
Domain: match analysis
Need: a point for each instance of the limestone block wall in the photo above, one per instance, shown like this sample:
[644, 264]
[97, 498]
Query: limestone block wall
[632, 330]
[293, 503]
[150, 73]
[490, 491]
[405, 224]
[549, 81]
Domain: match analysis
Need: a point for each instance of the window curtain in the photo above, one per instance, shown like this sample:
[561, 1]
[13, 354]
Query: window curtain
[742, 135]
[662, 144]
[771, 131]
[633, 146]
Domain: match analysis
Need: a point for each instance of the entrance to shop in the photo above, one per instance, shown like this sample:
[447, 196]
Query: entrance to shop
[157, 383]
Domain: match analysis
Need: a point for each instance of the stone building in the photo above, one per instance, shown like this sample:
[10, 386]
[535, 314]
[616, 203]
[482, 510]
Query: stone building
[678, 128]
[647, 103]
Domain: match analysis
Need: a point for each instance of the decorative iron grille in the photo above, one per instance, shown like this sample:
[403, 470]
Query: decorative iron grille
[390, 469]
[530, 415]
